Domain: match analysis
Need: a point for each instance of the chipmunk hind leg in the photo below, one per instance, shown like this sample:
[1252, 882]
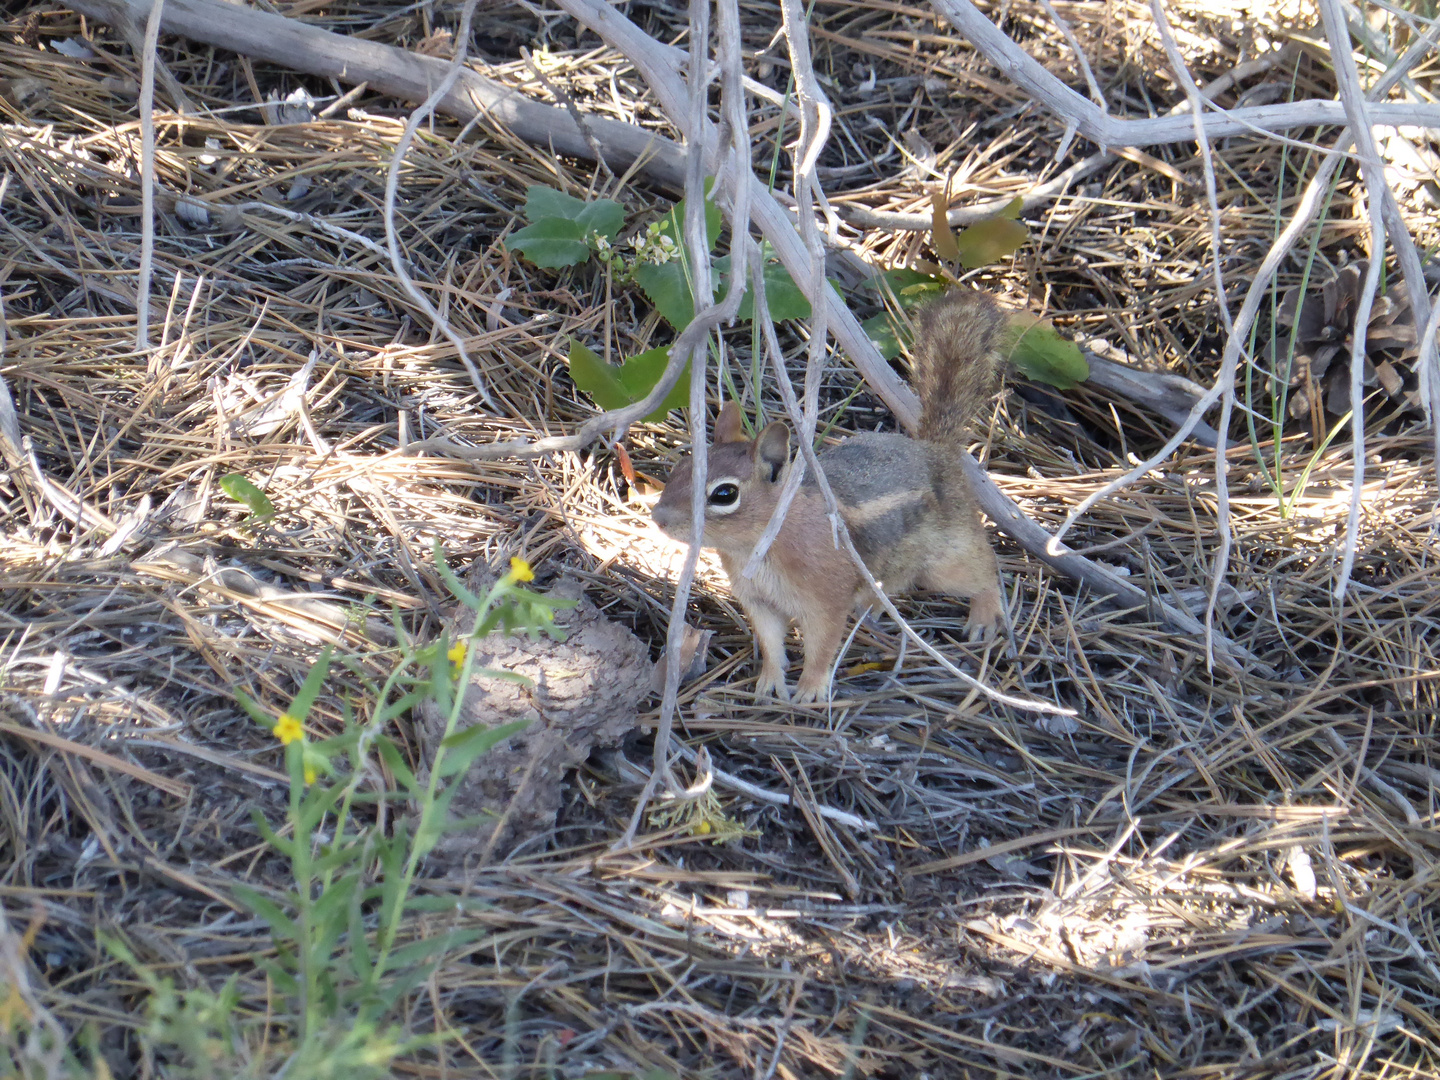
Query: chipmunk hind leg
[964, 565]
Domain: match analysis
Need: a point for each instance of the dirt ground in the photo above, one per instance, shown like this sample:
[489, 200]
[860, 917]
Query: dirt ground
[1218, 872]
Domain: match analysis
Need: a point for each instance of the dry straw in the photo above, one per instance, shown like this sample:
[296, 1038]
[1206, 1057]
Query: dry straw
[1218, 873]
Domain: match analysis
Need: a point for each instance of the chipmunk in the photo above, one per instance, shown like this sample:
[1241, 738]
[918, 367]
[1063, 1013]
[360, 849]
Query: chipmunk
[908, 508]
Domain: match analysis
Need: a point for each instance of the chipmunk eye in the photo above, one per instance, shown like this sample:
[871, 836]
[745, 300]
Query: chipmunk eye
[725, 494]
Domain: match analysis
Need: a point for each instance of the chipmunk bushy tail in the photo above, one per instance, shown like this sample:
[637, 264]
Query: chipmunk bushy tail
[957, 362]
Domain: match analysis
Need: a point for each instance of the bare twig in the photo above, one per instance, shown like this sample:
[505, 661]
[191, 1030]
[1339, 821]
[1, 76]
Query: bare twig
[1105, 130]
[1305, 210]
[1226, 378]
[1039, 195]
[1080, 57]
[392, 185]
[1061, 182]
[815, 113]
[1347, 79]
[708, 316]
[147, 174]
[717, 776]
[16, 449]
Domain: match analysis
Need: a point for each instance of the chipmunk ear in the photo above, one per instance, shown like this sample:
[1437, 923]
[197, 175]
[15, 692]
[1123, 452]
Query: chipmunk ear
[772, 450]
[729, 425]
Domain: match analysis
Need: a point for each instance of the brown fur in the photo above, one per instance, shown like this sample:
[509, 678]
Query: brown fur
[905, 502]
[957, 363]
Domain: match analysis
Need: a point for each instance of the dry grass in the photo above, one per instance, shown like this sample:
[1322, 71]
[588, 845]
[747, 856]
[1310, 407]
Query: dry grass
[1200, 875]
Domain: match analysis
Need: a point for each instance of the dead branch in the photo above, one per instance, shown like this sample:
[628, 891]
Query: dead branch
[406, 75]
[453, 72]
[1093, 122]
[148, 63]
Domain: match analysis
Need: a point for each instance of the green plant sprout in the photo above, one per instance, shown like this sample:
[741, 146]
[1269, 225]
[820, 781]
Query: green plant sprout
[1283, 365]
[566, 231]
[341, 963]
[563, 230]
[242, 490]
[701, 817]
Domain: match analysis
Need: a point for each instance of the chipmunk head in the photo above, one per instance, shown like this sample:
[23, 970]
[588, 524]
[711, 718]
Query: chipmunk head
[741, 485]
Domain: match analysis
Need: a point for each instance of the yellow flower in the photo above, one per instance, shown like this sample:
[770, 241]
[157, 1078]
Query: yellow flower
[309, 774]
[457, 653]
[520, 570]
[287, 729]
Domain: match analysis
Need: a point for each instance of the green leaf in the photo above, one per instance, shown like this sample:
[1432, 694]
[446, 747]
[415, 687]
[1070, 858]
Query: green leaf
[561, 227]
[330, 907]
[613, 386]
[360, 957]
[281, 925]
[310, 688]
[279, 843]
[639, 374]
[399, 707]
[901, 280]
[453, 583]
[284, 982]
[432, 822]
[549, 600]
[782, 296]
[912, 296]
[335, 859]
[392, 853]
[391, 753]
[319, 799]
[242, 490]
[427, 948]
[551, 243]
[259, 715]
[600, 380]
[463, 747]
[1040, 353]
[603, 216]
[1012, 209]
[882, 331]
[668, 284]
[988, 242]
[543, 201]
[668, 287]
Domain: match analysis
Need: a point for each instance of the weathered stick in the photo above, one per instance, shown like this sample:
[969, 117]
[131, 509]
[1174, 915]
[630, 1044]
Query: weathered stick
[406, 75]
[1105, 130]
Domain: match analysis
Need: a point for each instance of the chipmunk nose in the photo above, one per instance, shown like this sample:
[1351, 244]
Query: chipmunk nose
[672, 519]
[664, 516]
